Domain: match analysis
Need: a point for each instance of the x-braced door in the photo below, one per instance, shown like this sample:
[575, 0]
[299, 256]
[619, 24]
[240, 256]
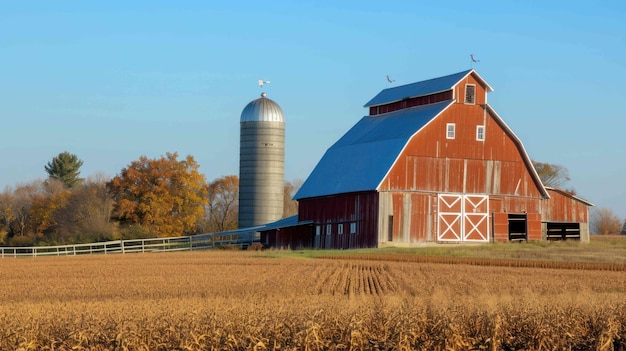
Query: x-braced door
[463, 218]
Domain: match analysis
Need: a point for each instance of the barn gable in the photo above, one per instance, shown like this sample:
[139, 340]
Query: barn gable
[494, 162]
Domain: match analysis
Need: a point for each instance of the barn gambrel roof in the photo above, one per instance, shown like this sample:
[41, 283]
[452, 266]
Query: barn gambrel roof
[425, 87]
[363, 156]
[360, 160]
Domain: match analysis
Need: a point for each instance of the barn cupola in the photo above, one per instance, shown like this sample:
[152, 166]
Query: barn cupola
[431, 91]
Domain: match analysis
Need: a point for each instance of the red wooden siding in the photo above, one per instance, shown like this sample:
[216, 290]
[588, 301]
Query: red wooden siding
[412, 216]
[431, 162]
[500, 227]
[562, 208]
[343, 209]
[459, 91]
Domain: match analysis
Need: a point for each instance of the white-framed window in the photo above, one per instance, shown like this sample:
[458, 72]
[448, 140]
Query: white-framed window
[340, 228]
[470, 94]
[480, 133]
[450, 130]
[318, 230]
[352, 228]
[329, 229]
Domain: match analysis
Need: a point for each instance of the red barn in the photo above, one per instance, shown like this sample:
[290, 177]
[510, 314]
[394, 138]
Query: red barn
[432, 162]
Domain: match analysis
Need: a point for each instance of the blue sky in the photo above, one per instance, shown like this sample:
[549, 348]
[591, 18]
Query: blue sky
[113, 80]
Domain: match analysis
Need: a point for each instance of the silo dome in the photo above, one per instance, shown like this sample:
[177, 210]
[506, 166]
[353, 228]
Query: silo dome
[262, 110]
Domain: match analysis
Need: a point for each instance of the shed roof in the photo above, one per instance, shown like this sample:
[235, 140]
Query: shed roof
[569, 195]
[425, 87]
[360, 159]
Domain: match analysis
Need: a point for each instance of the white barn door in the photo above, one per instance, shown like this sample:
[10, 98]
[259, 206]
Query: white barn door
[463, 218]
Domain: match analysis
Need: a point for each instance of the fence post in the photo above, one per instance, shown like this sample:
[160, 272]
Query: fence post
[122, 245]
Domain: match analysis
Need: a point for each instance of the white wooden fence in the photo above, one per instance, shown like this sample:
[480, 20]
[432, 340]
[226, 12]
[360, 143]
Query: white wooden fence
[181, 243]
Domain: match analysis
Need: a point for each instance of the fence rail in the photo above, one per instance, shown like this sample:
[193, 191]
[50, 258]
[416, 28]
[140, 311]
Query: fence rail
[182, 243]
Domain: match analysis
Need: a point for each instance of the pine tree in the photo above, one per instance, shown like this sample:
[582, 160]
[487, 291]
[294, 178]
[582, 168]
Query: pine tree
[66, 168]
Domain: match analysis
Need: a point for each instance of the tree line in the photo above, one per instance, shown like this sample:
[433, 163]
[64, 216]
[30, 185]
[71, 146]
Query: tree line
[160, 197]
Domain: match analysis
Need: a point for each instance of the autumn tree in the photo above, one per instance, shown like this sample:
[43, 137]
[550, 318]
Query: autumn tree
[52, 197]
[25, 210]
[223, 205]
[604, 221]
[164, 196]
[66, 168]
[552, 175]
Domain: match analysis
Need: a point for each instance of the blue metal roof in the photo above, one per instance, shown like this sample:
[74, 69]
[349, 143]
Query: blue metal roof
[360, 159]
[425, 87]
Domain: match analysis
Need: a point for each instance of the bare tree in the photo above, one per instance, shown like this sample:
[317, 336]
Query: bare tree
[87, 215]
[223, 207]
[552, 175]
[291, 206]
[604, 221]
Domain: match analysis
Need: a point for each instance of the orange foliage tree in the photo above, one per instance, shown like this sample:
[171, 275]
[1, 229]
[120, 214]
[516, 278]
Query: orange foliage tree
[165, 196]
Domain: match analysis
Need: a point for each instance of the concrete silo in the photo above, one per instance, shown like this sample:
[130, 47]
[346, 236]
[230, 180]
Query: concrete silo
[261, 163]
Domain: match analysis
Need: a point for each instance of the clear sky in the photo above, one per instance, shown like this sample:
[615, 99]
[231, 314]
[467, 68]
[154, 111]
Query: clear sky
[111, 81]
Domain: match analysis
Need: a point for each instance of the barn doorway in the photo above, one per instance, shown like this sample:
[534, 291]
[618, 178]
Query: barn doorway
[518, 227]
[463, 218]
[562, 231]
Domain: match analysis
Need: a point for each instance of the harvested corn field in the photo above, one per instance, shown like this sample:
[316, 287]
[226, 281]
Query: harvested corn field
[246, 301]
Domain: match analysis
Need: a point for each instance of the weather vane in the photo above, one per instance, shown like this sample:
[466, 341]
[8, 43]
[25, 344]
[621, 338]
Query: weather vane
[389, 80]
[473, 59]
[263, 82]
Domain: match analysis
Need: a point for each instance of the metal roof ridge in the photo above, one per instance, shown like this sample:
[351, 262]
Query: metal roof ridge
[427, 83]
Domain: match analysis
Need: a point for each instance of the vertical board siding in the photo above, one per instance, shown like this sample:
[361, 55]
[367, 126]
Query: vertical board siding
[500, 228]
[359, 208]
[562, 208]
[430, 162]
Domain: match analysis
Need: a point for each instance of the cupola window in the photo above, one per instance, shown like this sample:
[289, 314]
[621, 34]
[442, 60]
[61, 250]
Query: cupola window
[470, 94]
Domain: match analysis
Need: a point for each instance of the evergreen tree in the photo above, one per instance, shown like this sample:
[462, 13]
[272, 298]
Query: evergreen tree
[66, 168]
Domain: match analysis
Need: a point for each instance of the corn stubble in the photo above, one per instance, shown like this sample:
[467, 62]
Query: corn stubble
[236, 301]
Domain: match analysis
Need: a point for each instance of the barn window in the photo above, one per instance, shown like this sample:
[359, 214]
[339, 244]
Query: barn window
[450, 130]
[340, 228]
[352, 228]
[470, 94]
[329, 229]
[318, 230]
[480, 133]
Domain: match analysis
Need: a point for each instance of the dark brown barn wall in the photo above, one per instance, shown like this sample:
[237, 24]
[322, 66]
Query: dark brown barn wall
[343, 209]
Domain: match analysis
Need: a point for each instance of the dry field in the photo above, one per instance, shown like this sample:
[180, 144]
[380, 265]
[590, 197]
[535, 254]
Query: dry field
[248, 301]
